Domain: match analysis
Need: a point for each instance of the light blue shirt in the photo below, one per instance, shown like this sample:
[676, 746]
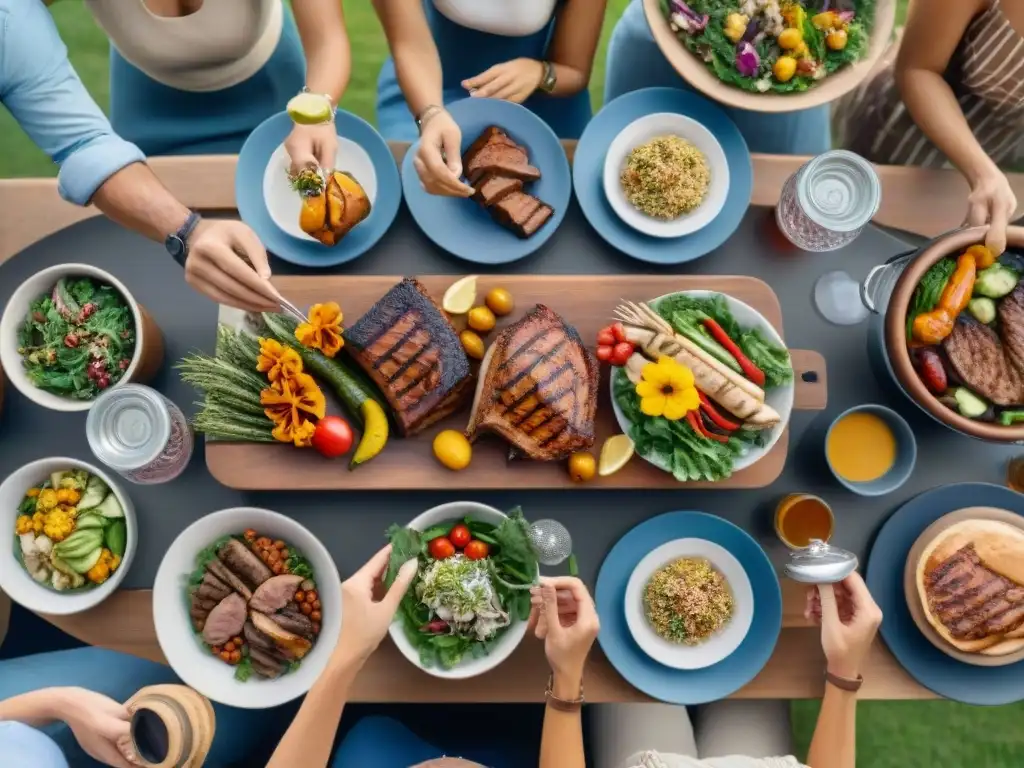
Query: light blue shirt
[21, 745]
[43, 92]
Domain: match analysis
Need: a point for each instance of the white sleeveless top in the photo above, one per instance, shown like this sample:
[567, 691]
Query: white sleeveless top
[223, 43]
[510, 18]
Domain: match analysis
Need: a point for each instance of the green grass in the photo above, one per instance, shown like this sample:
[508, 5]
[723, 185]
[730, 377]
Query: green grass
[890, 734]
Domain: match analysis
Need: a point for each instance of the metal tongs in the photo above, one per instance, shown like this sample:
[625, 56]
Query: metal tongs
[292, 310]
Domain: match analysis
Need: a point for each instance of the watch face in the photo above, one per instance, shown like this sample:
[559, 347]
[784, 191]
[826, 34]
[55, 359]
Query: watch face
[174, 246]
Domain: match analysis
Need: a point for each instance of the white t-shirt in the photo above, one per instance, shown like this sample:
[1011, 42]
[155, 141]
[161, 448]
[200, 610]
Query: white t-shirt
[510, 18]
[656, 760]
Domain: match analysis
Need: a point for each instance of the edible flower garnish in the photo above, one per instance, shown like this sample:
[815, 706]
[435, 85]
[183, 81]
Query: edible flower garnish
[277, 361]
[323, 331]
[747, 60]
[667, 389]
[287, 402]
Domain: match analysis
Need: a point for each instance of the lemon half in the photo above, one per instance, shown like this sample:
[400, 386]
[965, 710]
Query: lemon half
[615, 454]
[309, 109]
[460, 296]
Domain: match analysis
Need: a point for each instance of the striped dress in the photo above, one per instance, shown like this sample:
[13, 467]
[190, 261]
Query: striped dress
[986, 73]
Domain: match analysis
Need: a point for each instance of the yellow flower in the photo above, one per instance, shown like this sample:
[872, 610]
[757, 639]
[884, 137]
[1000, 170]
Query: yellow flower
[323, 331]
[667, 389]
[277, 361]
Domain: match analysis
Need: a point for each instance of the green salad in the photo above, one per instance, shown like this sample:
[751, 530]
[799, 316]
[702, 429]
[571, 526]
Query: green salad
[771, 45]
[472, 584]
[77, 340]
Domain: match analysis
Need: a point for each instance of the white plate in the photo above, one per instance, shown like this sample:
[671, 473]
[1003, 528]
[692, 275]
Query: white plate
[284, 204]
[718, 646]
[190, 659]
[502, 649]
[640, 132]
[780, 398]
[14, 579]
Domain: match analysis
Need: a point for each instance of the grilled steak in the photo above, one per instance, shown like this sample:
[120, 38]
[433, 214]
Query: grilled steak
[226, 575]
[972, 601]
[225, 620]
[538, 388]
[1011, 326]
[412, 353]
[494, 187]
[506, 167]
[980, 360]
[243, 562]
[275, 593]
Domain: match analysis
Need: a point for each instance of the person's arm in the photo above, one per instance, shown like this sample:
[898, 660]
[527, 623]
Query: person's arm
[834, 743]
[561, 741]
[417, 62]
[35, 708]
[574, 43]
[321, 26]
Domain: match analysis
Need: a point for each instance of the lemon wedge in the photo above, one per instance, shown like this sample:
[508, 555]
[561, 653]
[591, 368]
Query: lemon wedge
[460, 296]
[615, 454]
[309, 109]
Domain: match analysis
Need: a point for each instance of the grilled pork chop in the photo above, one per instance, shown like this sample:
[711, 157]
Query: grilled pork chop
[972, 601]
[980, 359]
[538, 388]
[412, 353]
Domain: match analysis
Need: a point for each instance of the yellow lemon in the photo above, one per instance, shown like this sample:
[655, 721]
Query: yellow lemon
[459, 297]
[481, 319]
[615, 454]
[452, 449]
[309, 109]
[582, 466]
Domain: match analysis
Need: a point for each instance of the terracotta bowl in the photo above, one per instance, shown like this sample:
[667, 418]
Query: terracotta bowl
[696, 72]
[896, 334]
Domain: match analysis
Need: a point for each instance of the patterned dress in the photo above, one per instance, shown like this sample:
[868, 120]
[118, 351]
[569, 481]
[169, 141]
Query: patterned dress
[986, 73]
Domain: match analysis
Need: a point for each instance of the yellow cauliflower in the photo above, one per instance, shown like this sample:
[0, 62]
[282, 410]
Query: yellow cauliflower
[58, 524]
[106, 565]
[68, 496]
[47, 500]
[38, 519]
[32, 492]
[23, 525]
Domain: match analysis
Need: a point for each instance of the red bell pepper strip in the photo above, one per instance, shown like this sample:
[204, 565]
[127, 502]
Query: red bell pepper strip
[750, 370]
[694, 421]
[715, 416]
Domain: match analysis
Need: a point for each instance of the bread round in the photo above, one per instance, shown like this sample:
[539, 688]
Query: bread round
[1001, 549]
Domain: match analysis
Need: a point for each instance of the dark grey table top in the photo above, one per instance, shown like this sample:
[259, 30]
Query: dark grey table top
[352, 524]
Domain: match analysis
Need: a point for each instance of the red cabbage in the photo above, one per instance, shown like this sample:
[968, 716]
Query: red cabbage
[747, 60]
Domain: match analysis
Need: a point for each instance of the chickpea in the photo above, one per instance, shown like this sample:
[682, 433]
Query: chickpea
[238, 642]
[316, 605]
[263, 542]
[229, 646]
[306, 608]
[300, 596]
[280, 544]
[215, 650]
[225, 656]
[236, 656]
[784, 69]
[311, 596]
[250, 535]
[277, 568]
[315, 615]
[273, 555]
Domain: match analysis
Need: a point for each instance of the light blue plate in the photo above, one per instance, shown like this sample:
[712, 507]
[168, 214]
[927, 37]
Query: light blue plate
[462, 226]
[689, 686]
[252, 164]
[588, 173]
[928, 665]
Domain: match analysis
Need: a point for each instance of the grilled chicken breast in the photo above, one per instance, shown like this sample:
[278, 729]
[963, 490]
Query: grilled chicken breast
[971, 600]
[412, 353]
[538, 388]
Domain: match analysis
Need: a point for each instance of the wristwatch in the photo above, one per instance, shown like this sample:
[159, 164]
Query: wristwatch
[848, 684]
[548, 78]
[177, 243]
[562, 705]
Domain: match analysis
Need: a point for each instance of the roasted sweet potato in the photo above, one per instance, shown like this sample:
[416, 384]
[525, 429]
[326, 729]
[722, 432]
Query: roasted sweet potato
[332, 214]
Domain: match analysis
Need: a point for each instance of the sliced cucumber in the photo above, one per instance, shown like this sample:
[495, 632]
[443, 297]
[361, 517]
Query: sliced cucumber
[109, 507]
[983, 309]
[116, 537]
[79, 543]
[83, 564]
[95, 492]
[968, 403]
[89, 520]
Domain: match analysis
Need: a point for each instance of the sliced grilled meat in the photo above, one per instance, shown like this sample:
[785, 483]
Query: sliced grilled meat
[254, 638]
[212, 587]
[225, 620]
[290, 644]
[266, 664]
[275, 593]
[226, 575]
[537, 220]
[505, 163]
[413, 354]
[244, 562]
[980, 359]
[295, 622]
[972, 601]
[492, 187]
[538, 388]
[1011, 325]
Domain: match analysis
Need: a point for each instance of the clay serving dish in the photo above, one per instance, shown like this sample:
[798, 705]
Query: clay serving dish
[895, 332]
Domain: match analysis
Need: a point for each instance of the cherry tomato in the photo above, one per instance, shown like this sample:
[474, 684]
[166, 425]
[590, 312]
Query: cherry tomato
[618, 332]
[476, 550]
[605, 337]
[441, 548]
[604, 353]
[333, 436]
[621, 353]
[459, 536]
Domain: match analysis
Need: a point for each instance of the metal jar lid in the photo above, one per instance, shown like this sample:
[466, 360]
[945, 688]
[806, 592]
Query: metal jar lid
[128, 427]
[820, 563]
[839, 190]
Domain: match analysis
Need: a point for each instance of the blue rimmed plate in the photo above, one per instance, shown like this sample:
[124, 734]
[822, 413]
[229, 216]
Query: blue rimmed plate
[885, 577]
[588, 175]
[266, 203]
[462, 227]
[687, 686]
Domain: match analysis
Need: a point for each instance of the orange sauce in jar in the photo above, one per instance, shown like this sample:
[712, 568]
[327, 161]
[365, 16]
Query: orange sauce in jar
[801, 517]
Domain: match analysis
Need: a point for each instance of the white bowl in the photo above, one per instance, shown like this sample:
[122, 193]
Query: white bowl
[284, 204]
[500, 650]
[780, 398]
[716, 648]
[190, 660]
[14, 579]
[640, 132]
[41, 283]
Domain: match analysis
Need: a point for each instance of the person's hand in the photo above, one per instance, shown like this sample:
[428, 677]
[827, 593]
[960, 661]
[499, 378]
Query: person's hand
[101, 726]
[438, 160]
[992, 202]
[512, 80]
[228, 263]
[563, 616]
[368, 619]
[849, 619]
[312, 146]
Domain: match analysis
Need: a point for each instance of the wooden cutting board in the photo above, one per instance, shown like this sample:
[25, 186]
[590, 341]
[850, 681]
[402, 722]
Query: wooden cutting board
[586, 302]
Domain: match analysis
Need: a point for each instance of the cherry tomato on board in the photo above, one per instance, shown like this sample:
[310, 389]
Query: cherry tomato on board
[621, 353]
[618, 332]
[441, 548]
[333, 436]
[604, 353]
[605, 337]
[459, 536]
[476, 550]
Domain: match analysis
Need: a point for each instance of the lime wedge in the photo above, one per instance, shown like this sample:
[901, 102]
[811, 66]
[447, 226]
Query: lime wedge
[460, 296]
[309, 109]
[615, 454]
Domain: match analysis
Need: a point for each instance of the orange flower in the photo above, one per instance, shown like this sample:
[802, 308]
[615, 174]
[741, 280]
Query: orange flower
[300, 435]
[323, 331]
[277, 361]
[288, 403]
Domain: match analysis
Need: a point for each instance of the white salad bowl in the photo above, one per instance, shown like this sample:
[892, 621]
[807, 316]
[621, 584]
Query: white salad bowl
[15, 580]
[500, 650]
[284, 204]
[641, 131]
[13, 318]
[779, 398]
[185, 652]
[717, 647]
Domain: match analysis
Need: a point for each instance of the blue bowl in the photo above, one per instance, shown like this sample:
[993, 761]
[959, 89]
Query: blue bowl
[252, 208]
[906, 452]
[463, 227]
[687, 686]
[588, 175]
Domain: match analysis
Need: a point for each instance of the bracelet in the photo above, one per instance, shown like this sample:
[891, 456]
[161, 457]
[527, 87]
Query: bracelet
[844, 683]
[428, 112]
[562, 705]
